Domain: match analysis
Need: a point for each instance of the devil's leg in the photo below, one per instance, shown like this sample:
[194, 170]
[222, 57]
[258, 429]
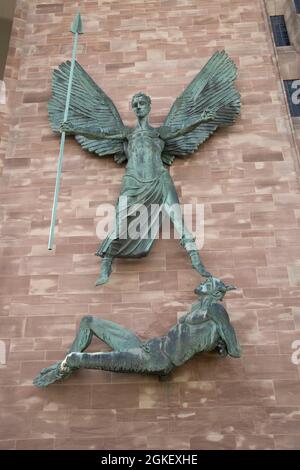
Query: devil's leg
[116, 336]
[126, 361]
[83, 338]
[134, 360]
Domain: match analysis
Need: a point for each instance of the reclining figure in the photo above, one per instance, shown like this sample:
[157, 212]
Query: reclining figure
[205, 328]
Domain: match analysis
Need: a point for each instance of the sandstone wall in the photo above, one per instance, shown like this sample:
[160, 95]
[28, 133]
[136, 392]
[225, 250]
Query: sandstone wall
[246, 178]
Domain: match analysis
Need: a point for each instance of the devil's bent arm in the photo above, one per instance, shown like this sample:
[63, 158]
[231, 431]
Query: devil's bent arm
[195, 315]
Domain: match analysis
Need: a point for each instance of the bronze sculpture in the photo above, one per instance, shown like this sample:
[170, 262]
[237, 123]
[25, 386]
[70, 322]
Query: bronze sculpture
[205, 328]
[210, 101]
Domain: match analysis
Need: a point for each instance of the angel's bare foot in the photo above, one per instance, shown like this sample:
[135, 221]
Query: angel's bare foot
[197, 264]
[106, 268]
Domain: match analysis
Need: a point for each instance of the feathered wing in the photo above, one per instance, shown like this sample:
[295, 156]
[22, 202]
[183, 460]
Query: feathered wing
[212, 88]
[89, 108]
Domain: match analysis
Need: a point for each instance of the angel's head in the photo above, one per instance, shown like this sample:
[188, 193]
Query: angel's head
[141, 104]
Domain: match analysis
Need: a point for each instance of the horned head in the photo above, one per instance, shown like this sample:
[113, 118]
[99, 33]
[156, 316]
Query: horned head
[213, 287]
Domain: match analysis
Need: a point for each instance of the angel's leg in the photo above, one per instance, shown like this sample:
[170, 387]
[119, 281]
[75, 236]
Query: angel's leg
[107, 249]
[172, 208]
[105, 270]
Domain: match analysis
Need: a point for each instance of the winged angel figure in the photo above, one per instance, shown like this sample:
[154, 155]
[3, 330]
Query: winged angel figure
[210, 101]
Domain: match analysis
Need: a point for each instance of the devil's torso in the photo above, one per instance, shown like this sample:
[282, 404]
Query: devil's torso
[197, 331]
[185, 339]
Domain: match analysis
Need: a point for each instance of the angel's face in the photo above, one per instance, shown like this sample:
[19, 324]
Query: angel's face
[141, 106]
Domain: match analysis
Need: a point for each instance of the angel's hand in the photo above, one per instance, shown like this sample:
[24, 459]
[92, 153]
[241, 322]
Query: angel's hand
[67, 127]
[120, 158]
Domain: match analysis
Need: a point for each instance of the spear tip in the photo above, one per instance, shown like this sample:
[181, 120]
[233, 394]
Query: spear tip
[77, 25]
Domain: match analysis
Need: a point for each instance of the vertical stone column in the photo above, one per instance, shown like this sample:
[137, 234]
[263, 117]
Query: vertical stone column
[9, 97]
[292, 19]
[288, 57]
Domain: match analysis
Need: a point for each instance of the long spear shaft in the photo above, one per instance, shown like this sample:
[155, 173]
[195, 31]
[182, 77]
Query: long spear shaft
[76, 29]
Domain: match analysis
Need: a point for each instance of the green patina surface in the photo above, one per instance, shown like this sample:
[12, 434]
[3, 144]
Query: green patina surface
[206, 327]
[210, 101]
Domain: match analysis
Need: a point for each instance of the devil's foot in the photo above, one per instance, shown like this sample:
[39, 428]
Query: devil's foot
[106, 268]
[52, 374]
[198, 265]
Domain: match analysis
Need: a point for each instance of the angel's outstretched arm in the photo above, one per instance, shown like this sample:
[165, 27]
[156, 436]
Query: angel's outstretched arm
[93, 133]
[171, 132]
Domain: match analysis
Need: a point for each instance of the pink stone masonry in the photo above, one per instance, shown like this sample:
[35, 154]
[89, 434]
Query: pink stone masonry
[245, 176]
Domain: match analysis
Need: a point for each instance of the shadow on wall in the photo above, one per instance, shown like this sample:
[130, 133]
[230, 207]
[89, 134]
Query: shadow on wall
[7, 8]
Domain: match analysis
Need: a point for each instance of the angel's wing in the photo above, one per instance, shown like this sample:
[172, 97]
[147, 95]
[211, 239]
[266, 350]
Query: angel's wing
[212, 89]
[89, 107]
